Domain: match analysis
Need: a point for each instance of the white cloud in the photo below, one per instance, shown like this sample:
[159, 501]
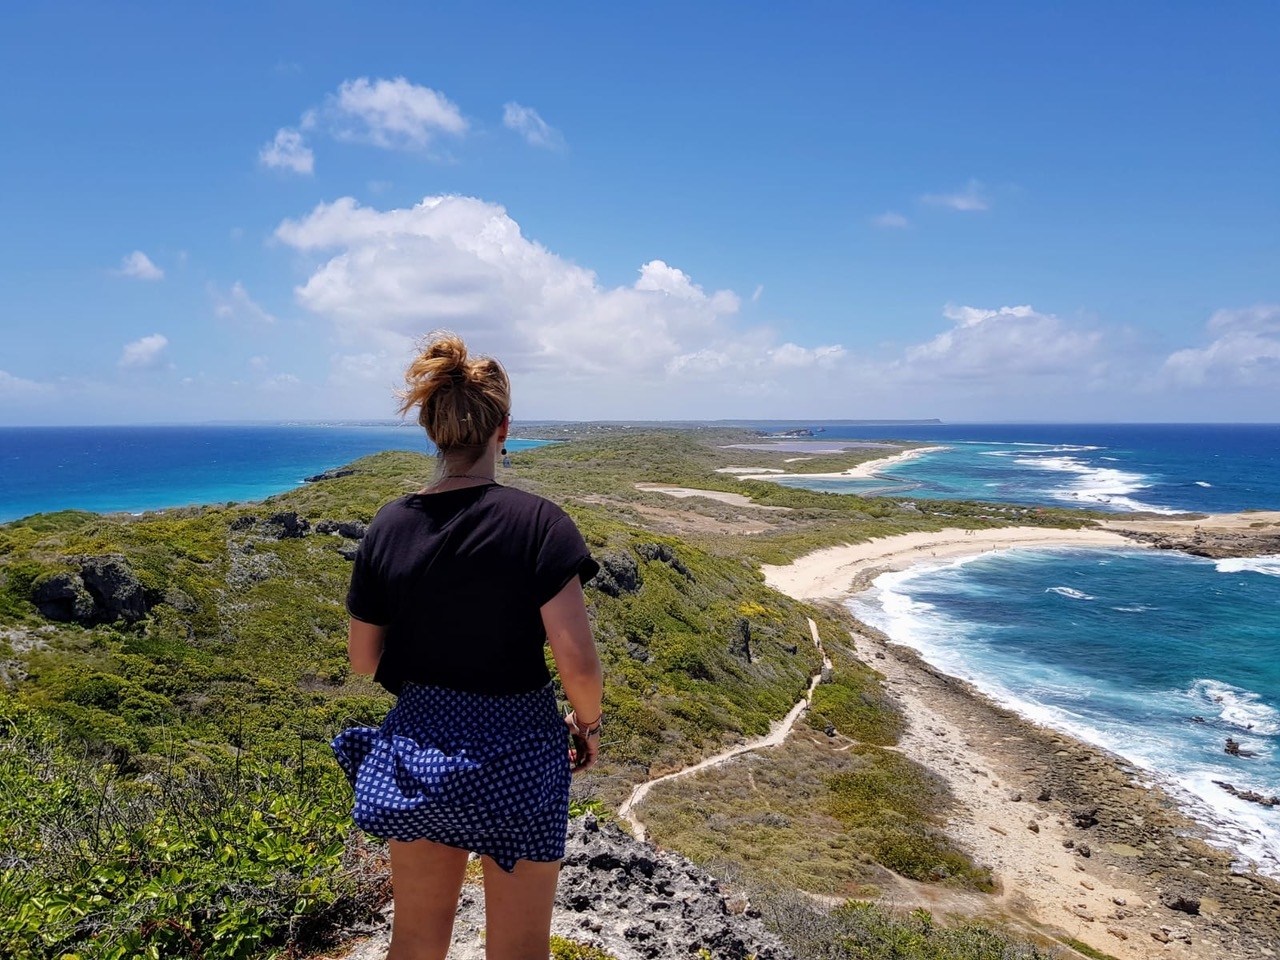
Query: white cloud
[757, 293]
[891, 221]
[139, 266]
[526, 122]
[288, 152]
[1245, 351]
[281, 382]
[144, 354]
[386, 277]
[236, 304]
[1004, 345]
[970, 199]
[394, 114]
[792, 355]
[12, 387]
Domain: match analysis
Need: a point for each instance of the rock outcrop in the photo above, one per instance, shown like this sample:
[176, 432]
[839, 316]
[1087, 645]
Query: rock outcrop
[619, 574]
[104, 590]
[628, 899]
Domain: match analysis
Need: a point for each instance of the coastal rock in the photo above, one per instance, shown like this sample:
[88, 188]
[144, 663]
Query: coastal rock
[348, 553]
[740, 640]
[116, 589]
[243, 522]
[662, 553]
[1085, 817]
[619, 574]
[351, 529]
[286, 525]
[63, 597]
[1250, 795]
[629, 900]
[103, 591]
[1182, 901]
[328, 475]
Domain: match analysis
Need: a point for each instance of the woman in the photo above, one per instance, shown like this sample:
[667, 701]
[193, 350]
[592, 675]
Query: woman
[454, 592]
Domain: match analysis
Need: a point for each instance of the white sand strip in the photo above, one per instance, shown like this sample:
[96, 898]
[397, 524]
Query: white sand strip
[829, 574]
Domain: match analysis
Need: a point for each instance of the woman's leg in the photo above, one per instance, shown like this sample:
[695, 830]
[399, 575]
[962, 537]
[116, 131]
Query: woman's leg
[426, 878]
[517, 909]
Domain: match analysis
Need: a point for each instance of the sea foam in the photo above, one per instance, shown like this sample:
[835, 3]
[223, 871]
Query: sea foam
[1268, 565]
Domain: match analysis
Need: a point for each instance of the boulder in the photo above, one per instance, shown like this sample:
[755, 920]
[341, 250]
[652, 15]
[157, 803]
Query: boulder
[740, 639]
[1182, 901]
[619, 574]
[104, 590]
[286, 525]
[63, 597]
[116, 589]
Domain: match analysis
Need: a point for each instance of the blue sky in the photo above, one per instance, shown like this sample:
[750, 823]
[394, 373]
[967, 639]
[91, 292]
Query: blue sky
[984, 211]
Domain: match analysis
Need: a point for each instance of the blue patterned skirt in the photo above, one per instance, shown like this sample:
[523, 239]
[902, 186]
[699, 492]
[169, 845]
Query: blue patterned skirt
[484, 773]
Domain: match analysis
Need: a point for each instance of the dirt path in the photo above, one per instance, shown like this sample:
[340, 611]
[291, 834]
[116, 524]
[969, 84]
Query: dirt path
[775, 737]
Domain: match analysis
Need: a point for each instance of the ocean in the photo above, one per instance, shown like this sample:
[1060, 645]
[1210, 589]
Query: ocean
[133, 469]
[1160, 468]
[1158, 657]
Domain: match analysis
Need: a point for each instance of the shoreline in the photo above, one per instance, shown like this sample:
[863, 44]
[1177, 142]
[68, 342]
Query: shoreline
[867, 470]
[833, 573]
[1025, 793]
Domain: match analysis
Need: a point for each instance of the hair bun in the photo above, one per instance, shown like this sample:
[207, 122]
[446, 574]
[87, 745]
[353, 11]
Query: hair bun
[446, 354]
[460, 401]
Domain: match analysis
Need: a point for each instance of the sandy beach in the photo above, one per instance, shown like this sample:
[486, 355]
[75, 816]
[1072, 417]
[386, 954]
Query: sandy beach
[835, 572]
[1077, 843]
[866, 470]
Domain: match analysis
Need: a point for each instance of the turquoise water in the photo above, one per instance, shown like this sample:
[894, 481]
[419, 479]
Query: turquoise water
[131, 469]
[1156, 656]
[1163, 468]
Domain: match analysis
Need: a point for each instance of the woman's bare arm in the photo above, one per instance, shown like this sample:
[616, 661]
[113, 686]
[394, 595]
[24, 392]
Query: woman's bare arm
[364, 645]
[569, 633]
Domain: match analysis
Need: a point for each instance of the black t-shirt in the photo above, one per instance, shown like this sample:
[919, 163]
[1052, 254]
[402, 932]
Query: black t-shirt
[459, 579]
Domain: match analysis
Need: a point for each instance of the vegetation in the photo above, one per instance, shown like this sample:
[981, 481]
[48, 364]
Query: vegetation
[863, 931]
[166, 787]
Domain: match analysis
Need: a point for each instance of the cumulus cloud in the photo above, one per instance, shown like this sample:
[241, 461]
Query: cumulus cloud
[236, 304]
[1002, 344]
[385, 277]
[972, 198]
[288, 151]
[526, 122]
[1245, 351]
[139, 266]
[891, 221]
[146, 353]
[393, 114]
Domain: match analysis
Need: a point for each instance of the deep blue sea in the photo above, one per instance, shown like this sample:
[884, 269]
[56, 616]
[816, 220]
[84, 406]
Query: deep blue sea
[1156, 656]
[132, 469]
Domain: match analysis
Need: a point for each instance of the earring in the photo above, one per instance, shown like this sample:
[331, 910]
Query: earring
[504, 451]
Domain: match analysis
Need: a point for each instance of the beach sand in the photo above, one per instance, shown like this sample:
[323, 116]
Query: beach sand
[866, 470]
[1026, 796]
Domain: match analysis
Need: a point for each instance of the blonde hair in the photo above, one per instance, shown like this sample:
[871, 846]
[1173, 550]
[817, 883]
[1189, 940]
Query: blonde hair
[461, 401]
